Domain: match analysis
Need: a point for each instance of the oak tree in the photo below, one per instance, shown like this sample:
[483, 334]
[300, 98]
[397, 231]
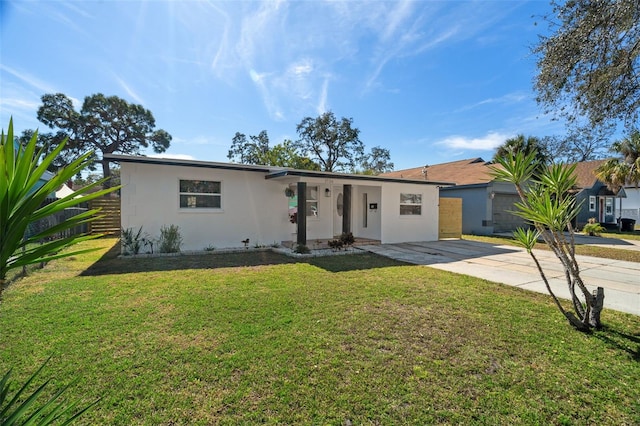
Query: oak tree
[332, 143]
[104, 124]
[589, 65]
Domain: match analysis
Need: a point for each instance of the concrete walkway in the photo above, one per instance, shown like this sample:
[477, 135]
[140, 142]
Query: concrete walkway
[513, 266]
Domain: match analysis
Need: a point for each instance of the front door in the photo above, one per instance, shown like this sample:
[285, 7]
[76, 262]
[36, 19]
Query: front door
[338, 210]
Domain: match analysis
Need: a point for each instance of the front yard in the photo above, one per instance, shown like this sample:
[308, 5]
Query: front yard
[257, 337]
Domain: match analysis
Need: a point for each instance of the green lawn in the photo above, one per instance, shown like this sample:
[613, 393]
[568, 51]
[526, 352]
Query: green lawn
[256, 337]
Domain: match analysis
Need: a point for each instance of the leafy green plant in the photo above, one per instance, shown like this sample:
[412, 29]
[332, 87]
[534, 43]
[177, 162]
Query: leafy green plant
[347, 239]
[23, 410]
[301, 249]
[22, 194]
[593, 228]
[335, 245]
[170, 239]
[131, 241]
[546, 202]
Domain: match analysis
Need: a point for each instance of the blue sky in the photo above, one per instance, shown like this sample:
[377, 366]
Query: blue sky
[432, 81]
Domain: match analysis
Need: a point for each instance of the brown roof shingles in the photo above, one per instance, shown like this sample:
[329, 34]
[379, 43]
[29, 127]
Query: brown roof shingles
[462, 172]
[585, 173]
[476, 170]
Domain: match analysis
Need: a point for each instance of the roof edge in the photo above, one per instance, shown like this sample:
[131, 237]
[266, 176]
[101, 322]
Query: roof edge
[271, 172]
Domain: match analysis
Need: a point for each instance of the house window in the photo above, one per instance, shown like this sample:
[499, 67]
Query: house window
[201, 194]
[608, 205]
[312, 201]
[592, 203]
[410, 204]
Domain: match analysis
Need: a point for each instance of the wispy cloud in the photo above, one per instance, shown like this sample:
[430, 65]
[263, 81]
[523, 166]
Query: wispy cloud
[270, 102]
[485, 143]
[21, 104]
[322, 103]
[509, 98]
[32, 81]
[129, 90]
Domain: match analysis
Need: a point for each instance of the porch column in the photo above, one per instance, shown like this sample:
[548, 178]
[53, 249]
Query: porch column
[346, 209]
[302, 214]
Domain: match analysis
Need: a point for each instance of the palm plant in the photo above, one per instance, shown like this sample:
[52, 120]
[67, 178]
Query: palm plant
[618, 172]
[22, 203]
[546, 203]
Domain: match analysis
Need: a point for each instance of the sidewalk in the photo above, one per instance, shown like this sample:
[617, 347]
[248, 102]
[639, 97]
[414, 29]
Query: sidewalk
[513, 266]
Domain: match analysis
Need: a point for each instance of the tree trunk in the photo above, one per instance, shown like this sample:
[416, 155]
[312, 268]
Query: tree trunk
[106, 172]
[596, 308]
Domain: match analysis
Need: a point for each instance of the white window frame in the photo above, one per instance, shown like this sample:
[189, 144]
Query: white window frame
[412, 200]
[592, 203]
[608, 206]
[312, 203]
[214, 195]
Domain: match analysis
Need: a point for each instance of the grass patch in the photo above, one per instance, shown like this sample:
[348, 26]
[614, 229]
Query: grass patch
[585, 250]
[261, 338]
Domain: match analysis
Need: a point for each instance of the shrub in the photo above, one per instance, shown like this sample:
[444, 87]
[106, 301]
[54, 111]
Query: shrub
[131, 241]
[170, 239]
[302, 249]
[335, 245]
[593, 228]
[347, 238]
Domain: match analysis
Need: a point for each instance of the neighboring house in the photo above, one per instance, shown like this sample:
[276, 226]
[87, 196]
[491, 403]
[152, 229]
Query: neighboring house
[223, 204]
[486, 204]
[597, 200]
[600, 202]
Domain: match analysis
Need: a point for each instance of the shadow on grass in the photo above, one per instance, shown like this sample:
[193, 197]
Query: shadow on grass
[110, 263]
[619, 340]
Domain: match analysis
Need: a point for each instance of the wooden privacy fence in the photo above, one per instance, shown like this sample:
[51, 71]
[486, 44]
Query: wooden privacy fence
[450, 218]
[109, 223]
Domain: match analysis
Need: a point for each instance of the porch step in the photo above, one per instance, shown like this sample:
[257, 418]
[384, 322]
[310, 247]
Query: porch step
[319, 244]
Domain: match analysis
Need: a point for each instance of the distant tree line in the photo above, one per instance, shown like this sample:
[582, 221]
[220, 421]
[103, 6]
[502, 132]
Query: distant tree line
[325, 143]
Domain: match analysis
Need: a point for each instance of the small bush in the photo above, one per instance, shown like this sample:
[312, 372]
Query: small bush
[593, 228]
[131, 241]
[335, 245]
[302, 249]
[170, 239]
[347, 238]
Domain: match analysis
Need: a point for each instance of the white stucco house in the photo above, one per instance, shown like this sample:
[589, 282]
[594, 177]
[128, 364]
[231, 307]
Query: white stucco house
[222, 204]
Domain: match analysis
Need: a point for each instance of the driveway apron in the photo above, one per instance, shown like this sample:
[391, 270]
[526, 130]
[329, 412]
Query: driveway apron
[513, 266]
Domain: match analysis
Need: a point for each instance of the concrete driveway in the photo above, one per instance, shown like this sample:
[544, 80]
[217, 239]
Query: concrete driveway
[513, 266]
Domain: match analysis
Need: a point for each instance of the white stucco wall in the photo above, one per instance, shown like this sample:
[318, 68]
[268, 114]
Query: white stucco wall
[251, 207]
[396, 228]
[256, 208]
[373, 216]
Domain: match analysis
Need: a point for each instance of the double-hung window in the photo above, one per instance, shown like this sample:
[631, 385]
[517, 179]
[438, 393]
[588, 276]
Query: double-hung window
[200, 194]
[312, 201]
[410, 204]
[608, 206]
[592, 203]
